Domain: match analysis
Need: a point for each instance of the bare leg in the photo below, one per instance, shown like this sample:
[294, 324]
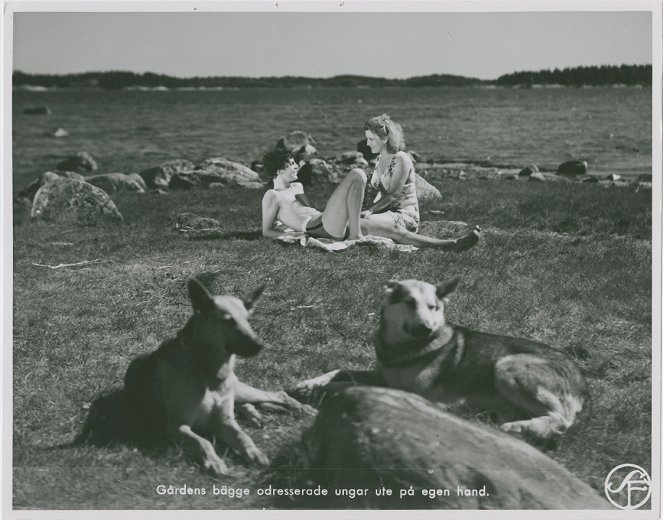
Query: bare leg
[344, 206]
[376, 226]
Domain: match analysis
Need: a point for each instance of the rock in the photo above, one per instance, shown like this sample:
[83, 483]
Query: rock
[218, 170]
[537, 177]
[613, 177]
[190, 221]
[510, 177]
[60, 132]
[31, 189]
[36, 111]
[82, 162]
[354, 158]
[365, 150]
[528, 170]
[426, 192]
[370, 438]
[184, 181]
[68, 200]
[572, 168]
[317, 169]
[300, 145]
[159, 176]
[114, 182]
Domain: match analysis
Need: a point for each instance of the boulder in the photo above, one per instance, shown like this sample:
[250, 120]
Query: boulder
[317, 169]
[368, 438]
[159, 176]
[573, 168]
[185, 221]
[300, 145]
[114, 182]
[528, 170]
[60, 132]
[426, 192]
[68, 200]
[82, 162]
[365, 150]
[36, 111]
[353, 158]
[537, 177]
[31, 189]
[223, 171]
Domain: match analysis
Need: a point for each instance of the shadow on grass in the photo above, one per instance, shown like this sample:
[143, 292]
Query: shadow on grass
[112, 420]
[217, 234]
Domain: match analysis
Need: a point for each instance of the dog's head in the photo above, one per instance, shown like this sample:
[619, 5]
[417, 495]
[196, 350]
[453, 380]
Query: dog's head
[412, 309]
[222, 321]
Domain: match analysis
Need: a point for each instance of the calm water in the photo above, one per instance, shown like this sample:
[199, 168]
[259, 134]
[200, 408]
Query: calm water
[130, 131]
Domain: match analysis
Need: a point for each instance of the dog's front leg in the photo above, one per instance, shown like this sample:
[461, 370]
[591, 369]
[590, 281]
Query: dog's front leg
[277, 401]
[229, 432]
[201, 447]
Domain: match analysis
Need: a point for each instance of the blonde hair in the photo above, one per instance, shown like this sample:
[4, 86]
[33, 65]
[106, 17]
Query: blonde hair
[383, 126]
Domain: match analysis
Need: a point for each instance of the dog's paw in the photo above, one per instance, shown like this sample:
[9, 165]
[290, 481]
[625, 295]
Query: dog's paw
[255, 456]
[249, 412]
[215, 465]
[512, 427]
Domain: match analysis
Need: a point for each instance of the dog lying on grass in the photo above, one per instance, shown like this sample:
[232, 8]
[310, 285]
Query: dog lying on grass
[418, 351]
[188, 387]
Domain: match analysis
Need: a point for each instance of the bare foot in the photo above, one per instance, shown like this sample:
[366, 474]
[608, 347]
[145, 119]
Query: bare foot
[466, 242]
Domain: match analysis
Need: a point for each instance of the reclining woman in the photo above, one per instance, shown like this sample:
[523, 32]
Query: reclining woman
[287, 206]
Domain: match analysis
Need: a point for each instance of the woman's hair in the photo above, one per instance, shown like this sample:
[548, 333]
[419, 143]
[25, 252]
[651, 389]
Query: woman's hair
[275, 160]
[383, 127]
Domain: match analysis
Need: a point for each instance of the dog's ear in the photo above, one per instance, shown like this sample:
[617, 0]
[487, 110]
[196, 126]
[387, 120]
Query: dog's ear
[251, 298]
[200, 299]
[394, 292]
[447, 287]
[389, 287]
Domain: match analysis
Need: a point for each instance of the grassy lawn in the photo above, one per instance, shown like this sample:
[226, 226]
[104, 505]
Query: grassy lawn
[569, 265]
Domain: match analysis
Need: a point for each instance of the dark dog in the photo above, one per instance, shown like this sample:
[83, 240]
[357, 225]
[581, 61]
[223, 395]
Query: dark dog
[188, 387]
[418, 351]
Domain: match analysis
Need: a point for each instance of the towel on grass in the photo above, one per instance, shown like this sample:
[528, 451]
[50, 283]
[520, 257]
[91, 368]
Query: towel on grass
[338, 245]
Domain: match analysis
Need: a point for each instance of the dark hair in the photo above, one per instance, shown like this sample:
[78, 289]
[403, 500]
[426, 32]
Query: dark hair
[276, 160]
[383, 126]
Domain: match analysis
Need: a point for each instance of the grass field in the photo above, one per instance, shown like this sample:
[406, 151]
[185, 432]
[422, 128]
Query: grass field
[569, 265]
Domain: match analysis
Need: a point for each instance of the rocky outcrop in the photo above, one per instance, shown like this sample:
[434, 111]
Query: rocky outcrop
[73, 201]
[159, 176]
[82, 162]
[299, 144]
[217, 171]
[426, 192]
[573, 168]
[368, 438]
[115, 182]
[31, 189]
[528, 170]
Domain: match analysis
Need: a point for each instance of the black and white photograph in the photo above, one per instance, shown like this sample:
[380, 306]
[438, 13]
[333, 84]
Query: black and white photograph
[331, 258]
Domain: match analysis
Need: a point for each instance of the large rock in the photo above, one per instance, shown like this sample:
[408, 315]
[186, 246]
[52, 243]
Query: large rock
[115, 182]
[82, 162]
[317, 169]
[69, 200]
[426, 192]
[31, 189]
[528, 170]
[353, 158]
[159, 176]
[573, 168]
[370, 438]
[218, 171]
[299, 144]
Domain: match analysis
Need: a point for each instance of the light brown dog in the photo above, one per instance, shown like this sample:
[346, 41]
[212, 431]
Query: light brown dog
[188, 388]
[418, 351]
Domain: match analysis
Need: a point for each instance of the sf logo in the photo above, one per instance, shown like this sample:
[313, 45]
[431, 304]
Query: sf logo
[628, 487]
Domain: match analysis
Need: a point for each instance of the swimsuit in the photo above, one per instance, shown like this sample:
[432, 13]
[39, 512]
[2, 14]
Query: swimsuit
[315, 229]
[405, 209]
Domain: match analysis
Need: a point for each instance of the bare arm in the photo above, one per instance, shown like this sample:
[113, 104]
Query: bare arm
[401, 169]
[270, 208]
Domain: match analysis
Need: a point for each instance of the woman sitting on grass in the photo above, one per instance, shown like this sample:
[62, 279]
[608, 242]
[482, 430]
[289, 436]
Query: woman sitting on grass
[286, 205]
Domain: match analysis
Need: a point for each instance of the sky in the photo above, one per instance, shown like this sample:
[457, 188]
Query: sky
[391, 45]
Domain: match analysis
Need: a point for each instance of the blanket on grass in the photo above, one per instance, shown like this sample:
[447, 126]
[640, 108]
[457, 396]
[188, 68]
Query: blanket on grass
[339, 245]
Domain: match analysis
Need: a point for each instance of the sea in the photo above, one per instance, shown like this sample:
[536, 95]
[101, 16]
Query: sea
[127, 131]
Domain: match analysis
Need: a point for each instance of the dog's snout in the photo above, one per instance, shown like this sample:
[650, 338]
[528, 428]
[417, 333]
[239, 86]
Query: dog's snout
[419, 330]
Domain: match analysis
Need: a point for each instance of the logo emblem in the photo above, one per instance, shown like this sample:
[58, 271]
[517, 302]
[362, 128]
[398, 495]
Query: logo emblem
[628, 487]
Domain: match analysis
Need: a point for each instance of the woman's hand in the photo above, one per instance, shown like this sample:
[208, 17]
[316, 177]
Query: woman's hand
[365, 214]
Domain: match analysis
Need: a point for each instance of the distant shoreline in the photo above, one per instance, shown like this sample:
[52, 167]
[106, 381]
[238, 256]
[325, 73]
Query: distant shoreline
[604, 75]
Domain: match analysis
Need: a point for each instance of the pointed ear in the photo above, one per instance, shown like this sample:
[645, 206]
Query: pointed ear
[389, 287]
[200, 299]
[447, 287]
[251, 298]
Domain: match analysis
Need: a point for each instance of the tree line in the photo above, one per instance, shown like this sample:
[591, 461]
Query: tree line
[118, 80]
